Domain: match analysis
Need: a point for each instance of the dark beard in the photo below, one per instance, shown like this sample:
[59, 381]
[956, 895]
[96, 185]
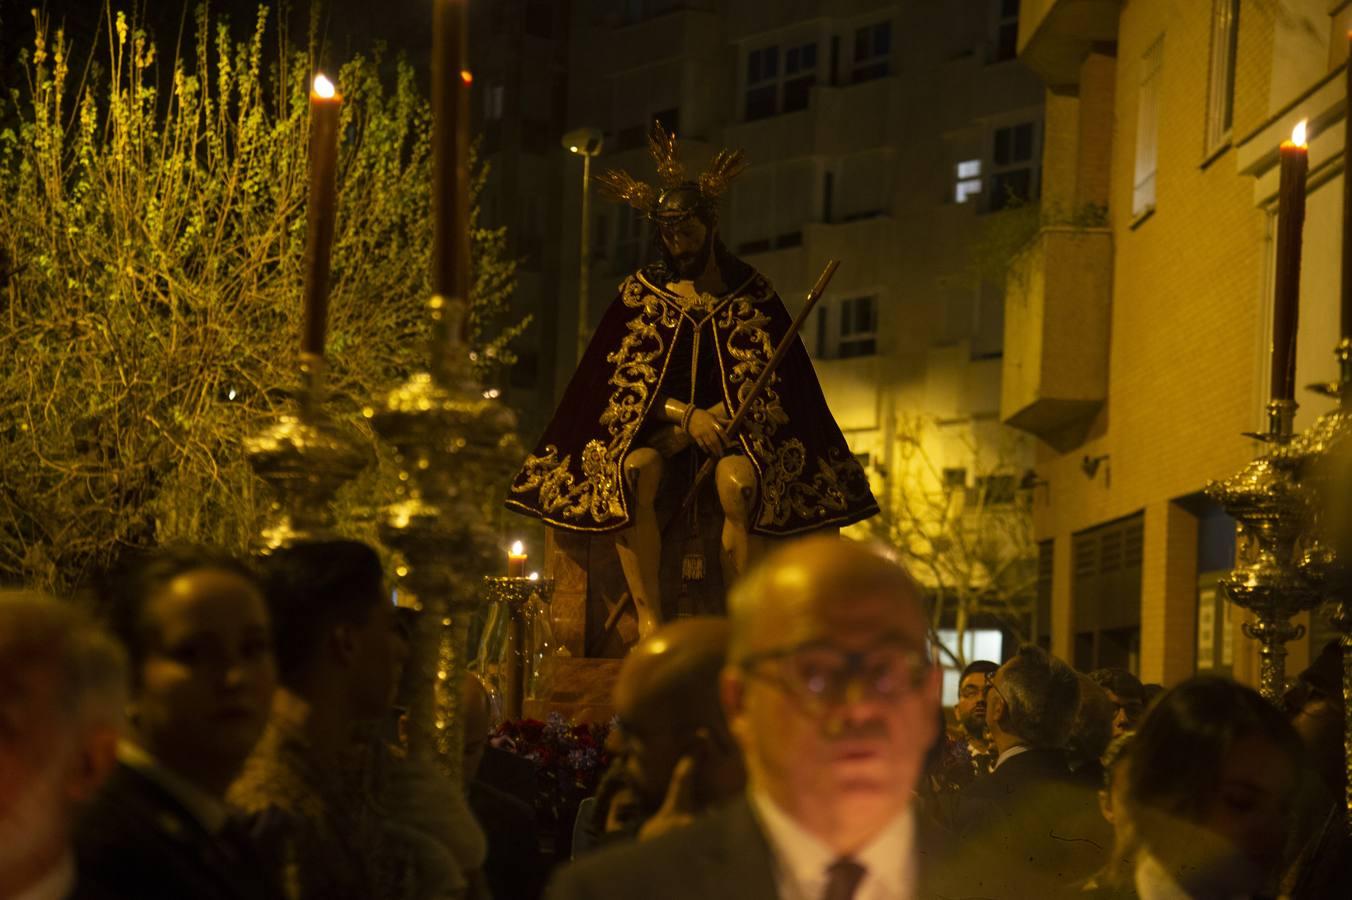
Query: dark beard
[688, 268]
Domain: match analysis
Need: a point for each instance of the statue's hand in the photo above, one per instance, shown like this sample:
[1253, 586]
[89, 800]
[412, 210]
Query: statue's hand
[709, 432]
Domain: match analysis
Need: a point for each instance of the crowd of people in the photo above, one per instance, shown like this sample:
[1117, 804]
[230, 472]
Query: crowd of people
[195, 727]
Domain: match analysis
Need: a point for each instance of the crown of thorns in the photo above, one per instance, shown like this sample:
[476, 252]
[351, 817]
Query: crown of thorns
[671, 202]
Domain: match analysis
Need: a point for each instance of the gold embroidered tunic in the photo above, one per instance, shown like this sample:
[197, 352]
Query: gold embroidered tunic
[808, 477]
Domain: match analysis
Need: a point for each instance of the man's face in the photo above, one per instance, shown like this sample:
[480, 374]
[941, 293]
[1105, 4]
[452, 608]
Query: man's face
[836, 720]
[41, 763]
[379, 653]
[971, 708]
[206, 682]
[1128, 713]
[651, 749]
[689, 243]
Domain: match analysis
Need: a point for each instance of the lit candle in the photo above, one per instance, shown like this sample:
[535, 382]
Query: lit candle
[1295, 161]
[325, 105]
[516, 561]
[450, 153]
[1347, 197]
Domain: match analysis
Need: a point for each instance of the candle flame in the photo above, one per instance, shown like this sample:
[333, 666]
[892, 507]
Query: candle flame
[324, 88]
[466, 76]
[518, 548]
[1298, 133]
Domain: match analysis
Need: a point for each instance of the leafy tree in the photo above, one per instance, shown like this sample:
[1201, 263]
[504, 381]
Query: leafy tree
[966, 534]
[151, 245]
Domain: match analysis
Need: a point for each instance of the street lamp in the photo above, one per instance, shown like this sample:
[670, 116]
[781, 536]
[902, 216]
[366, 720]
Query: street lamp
[585, 142]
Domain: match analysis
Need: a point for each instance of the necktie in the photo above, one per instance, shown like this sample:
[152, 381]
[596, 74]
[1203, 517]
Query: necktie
[842, 879]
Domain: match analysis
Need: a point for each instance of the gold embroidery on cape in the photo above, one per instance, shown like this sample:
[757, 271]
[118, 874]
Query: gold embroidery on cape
[787, 489]
[600, 495]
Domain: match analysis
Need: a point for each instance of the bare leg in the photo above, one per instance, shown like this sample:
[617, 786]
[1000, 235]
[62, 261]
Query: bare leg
[640, 545]
[737, 486]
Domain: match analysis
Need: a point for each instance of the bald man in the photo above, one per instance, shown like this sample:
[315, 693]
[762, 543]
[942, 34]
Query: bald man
[830, 692]
[679, 753]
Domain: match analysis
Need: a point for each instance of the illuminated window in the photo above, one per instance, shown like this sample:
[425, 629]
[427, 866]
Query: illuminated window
[1221, 93]
[968, 181]
[1147, 128]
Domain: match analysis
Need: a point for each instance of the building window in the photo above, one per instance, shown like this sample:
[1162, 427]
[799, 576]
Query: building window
[1147, 129]
[992, 490]
[1006, 36]
[628, 239]
[1221, 93]
[872, 51]
[670, 119]
[1013, 165]
[800, 73]
[968, 180]
[858, 327]
[765, 80]
[762, 82]
[493, 101]
[955, 478]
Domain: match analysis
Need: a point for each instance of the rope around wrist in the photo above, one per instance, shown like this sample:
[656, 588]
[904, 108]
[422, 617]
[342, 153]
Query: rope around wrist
[687, 416]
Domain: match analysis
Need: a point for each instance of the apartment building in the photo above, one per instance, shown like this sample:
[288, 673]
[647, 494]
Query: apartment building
[1138, 324]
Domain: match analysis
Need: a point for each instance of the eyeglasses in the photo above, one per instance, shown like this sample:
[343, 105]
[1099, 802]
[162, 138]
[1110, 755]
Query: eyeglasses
[819, 675]
[991, 686]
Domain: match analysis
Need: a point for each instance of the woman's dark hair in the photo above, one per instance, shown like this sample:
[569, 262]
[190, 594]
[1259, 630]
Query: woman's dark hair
[120, 597]
[312, 587]
[1175, 760]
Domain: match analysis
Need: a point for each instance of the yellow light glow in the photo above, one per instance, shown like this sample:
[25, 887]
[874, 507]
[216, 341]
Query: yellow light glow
[466, 76]
[1298, 133]
[572, 148]
[534, 576]
[324, 88]
[518, 548]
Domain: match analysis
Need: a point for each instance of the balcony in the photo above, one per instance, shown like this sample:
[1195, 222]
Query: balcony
[838, 119]
[1058, 300]
[1055, 36]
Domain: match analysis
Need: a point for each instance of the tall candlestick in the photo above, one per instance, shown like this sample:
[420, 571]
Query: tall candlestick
[516, 561]
[1295, 162]
[325, 106]
[1346, 323]
[450, 154]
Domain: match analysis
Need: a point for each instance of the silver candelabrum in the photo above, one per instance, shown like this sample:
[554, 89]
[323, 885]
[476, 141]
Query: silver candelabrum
[1272, 511]
[439, 422]
[516, 638]
[305, 457]
[1325, 454]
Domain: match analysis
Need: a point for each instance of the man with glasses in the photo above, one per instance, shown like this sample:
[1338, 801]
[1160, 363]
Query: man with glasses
[834, 700]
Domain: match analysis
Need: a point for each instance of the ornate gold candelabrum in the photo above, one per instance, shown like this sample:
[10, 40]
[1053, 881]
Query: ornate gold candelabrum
[516, 638]
[439, 422]
[1270, 506]
[305, 457]
[1325, 455]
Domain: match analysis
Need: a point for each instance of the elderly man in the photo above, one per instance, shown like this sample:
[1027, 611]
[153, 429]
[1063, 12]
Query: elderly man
[833, 698]
[62, 689]
[1038, 825]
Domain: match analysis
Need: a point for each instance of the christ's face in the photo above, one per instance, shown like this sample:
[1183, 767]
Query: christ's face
[689, 243]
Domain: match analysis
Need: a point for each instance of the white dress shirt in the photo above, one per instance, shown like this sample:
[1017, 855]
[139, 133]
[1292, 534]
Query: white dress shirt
[801, 859]
[55, 885]
[1009, 754]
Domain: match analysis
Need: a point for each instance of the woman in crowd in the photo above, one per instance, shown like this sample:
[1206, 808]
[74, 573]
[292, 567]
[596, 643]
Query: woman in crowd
[198, 638]
[1206, 797]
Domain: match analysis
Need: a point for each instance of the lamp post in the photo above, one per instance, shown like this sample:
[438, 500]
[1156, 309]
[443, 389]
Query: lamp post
[586, 143]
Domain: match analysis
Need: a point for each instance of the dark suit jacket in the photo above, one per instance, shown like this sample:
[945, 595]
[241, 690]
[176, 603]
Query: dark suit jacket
[722, 856]
[136, 840]
[513, 868]
[1038, 827]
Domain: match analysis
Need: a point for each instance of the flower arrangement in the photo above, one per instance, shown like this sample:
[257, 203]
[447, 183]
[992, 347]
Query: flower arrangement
[572, 758]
